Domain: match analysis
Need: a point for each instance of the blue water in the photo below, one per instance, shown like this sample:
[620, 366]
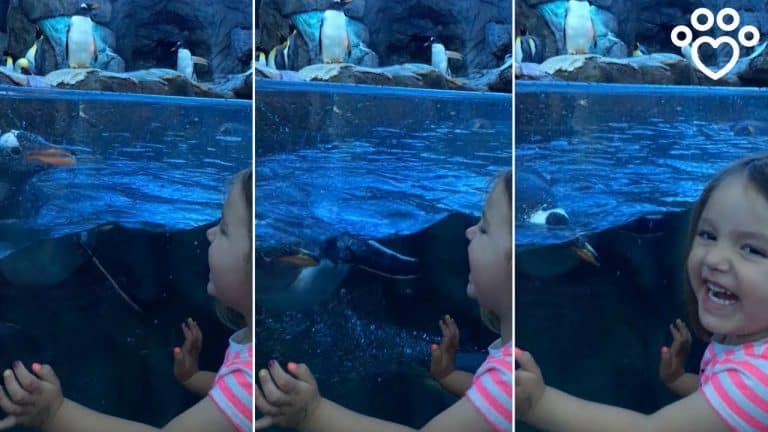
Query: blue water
[616, 152]
[378, 162]
[151, 162]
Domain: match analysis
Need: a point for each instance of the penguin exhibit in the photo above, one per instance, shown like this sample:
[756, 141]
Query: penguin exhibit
[365, 191]
[458, 45]
[135, 46]
[616, 133]
[108, 183]
[630, 42]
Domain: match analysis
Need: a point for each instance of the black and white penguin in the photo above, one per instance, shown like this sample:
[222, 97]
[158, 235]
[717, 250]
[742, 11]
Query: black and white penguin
[535, 203]
[580, 34]
[440, 56]
[528, 48]
[638, 50]
[27, 65]
[22, 155]
[185, 61]
[334, 37]
[261, 56]
[279, 56]
[7, 60]
[80, 49]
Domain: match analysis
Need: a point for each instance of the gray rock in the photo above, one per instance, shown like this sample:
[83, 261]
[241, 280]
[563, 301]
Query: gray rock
[240, 45]
[498, 39]
[36, 10]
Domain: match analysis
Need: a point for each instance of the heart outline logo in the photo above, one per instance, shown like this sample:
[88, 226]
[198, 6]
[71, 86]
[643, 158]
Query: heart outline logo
[715, 43]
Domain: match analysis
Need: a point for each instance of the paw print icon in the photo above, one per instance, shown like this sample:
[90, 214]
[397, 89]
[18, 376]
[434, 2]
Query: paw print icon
[748, 36]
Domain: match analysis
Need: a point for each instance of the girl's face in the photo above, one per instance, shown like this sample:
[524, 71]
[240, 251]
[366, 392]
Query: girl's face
[230, 277]
[728, 262]
[490, 254]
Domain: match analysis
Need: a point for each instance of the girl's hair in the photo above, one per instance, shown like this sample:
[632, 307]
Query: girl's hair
[241, 183]
[489, 318]
[754, 169]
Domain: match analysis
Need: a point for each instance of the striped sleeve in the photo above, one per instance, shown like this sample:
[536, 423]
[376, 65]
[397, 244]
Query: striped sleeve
[232, 392]
[738, 392]
[491, 390]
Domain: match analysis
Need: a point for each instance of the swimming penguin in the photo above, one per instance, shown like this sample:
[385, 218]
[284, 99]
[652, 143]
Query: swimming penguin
[22, 155]
[580, 35]
[291, 277]
[638, 50]
[528, 48]
[440, 56]
[535, 203]
[27, 65]
[80, 50]
[279, 55]
[185, 61]
[334, 37]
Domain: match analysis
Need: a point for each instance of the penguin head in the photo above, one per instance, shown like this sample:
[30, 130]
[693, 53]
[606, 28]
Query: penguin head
[86, 8]
[178, 46]
[38, 32]
[23, 154]
[339, 4]
[432, 40]
[523, 30]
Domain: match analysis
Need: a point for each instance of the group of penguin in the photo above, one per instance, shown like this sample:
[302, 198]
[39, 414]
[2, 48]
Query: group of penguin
[80, 50]
[335, 46]
[579, 34]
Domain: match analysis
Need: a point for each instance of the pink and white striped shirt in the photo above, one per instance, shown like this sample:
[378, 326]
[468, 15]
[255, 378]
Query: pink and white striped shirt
[232, 390]
[491, 390]
[734, 380]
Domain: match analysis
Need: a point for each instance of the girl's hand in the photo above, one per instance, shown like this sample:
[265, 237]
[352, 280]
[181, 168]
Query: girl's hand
[286, 401]
[529, 384]
[185, 358]
[444, 357]
[672, 365]
[31, 400]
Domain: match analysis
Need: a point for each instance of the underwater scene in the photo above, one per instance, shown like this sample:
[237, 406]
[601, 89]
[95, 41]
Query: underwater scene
[625, 164]
[363, 196]
[105, 203]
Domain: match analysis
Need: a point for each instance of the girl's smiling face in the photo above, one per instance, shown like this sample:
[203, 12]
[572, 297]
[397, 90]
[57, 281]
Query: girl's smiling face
[728, 262]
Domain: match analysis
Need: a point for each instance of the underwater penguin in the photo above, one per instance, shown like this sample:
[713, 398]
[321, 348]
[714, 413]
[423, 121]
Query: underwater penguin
[528, 48]
[440, 56]
[279, 55]
[24, 154]
[7, 60]
[185, 61]
[638, 50]
[334, 38]
[27, 65]
[80, 50]
[580, 35]
[535, 203]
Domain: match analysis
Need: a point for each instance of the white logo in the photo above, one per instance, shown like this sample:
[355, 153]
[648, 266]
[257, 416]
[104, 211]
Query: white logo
[688, 36]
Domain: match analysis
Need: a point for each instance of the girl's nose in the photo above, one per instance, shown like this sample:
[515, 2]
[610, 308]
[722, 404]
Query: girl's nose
[717, 258]
[210, 234]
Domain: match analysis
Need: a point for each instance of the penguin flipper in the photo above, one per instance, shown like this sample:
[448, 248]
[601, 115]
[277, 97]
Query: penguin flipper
[199, 60]
[95, 51]
[454, 55]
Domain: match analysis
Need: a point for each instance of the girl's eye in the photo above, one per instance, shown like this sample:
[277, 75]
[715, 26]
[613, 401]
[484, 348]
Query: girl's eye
[481, 228]
[705, 235]
[754, 251]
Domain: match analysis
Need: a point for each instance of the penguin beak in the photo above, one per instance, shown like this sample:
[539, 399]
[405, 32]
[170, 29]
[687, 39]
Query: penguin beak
[54, 157]
[301, 259]
[585, 251]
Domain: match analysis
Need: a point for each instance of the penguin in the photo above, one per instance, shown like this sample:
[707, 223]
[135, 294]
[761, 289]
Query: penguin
[261, 56]
[279, 55]
[22, 155]
[528, 48]
[27, 65]
[185, 61]
[334, 37]
[440, 56]
[638, 50]
[535, 203]
[580, 35]
[80, 50]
